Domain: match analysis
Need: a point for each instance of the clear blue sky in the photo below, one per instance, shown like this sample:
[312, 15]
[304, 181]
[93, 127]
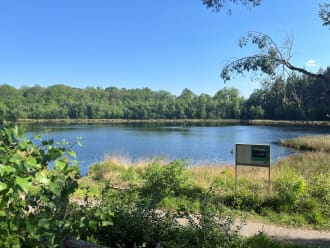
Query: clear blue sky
[169, 45]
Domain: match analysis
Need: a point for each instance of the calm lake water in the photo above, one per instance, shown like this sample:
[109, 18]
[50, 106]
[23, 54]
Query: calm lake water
[200, 145]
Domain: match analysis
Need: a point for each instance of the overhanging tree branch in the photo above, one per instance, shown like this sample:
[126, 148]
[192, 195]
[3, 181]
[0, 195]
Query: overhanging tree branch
[217, 5]
[268, 61]
[305, 72]
[324, 14]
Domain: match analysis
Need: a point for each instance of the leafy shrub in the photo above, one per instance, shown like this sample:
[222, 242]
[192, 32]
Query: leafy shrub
[211, 228]
[135, 223]
[34, 200]
[224, 183]
[181, 203]
[320, 190]
[249, 196]
[162, 180]
[91, 216]
[244, 200]
[290, 189]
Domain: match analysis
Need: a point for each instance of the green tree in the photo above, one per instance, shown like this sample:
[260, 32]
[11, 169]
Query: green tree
[204, 106]
[187, 102]
[228, 103]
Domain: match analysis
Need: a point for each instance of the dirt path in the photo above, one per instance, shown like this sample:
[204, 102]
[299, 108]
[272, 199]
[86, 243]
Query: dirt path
[311, 238]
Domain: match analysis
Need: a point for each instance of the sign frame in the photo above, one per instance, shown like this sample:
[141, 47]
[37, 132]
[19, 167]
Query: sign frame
[252, 155]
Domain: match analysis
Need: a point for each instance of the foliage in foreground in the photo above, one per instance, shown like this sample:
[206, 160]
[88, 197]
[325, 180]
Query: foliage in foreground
[34, 199]
[140, 221]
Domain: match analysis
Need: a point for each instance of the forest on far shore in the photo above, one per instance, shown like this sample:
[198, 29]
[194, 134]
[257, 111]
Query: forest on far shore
[295, 98]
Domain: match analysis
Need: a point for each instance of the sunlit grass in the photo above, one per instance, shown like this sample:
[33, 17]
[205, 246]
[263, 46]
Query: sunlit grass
[308, 164]
[320, 143]
[312, 169]
[205, 175]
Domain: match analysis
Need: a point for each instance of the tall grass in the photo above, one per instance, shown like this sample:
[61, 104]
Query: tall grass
[300, 192]
[320, 143]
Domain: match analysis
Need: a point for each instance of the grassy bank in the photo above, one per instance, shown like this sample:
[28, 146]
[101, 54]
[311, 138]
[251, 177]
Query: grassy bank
[300, 196]
[300, 192]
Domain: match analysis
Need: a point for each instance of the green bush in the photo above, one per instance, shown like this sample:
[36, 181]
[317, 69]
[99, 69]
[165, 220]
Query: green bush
[320, 190]
[244, 200]
[34, 199]
[170, 179]
[136, 223]
[290, 189]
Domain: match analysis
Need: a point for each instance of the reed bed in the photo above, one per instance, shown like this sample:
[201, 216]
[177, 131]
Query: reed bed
[320, 143]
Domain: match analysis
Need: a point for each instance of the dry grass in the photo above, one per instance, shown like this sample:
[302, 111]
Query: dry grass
[120, 169]
[126, 161]
[117, 167]
[206, 175]
[320, 143]
[308, 164]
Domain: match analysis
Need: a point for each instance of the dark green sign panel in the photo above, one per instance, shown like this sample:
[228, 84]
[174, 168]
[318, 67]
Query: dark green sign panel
[260, 153]
[255, 155]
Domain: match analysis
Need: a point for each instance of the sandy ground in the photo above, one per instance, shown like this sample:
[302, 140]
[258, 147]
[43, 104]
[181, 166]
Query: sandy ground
[311, 238]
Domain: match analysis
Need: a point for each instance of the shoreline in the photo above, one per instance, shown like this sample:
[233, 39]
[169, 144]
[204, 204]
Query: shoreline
[176, 121]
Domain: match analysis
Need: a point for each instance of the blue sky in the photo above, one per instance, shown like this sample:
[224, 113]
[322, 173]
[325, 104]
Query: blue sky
[168, 45]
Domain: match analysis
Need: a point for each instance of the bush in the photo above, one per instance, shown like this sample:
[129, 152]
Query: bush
[320, 190]
[34, 199]
[290, 189]
[162, 180]
[135, 223]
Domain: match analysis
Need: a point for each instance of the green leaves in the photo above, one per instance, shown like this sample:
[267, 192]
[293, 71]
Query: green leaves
[61, 165]
[40, 220]
[41, 177]
[72, 153]
[6, 170]
[23, 183]
[32, 163]
[3, 186]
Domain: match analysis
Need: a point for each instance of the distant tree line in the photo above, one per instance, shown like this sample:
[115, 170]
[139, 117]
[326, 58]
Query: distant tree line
[296, 98]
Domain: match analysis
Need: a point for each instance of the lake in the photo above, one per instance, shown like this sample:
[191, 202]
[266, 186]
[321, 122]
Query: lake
[200, 145]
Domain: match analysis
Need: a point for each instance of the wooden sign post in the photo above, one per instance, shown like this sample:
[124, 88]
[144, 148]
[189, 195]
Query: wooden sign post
[252, 155]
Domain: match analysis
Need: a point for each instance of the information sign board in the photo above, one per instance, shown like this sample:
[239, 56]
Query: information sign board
[254, 155]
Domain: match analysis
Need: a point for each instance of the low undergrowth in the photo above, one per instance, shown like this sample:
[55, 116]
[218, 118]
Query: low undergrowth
[299, 195]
